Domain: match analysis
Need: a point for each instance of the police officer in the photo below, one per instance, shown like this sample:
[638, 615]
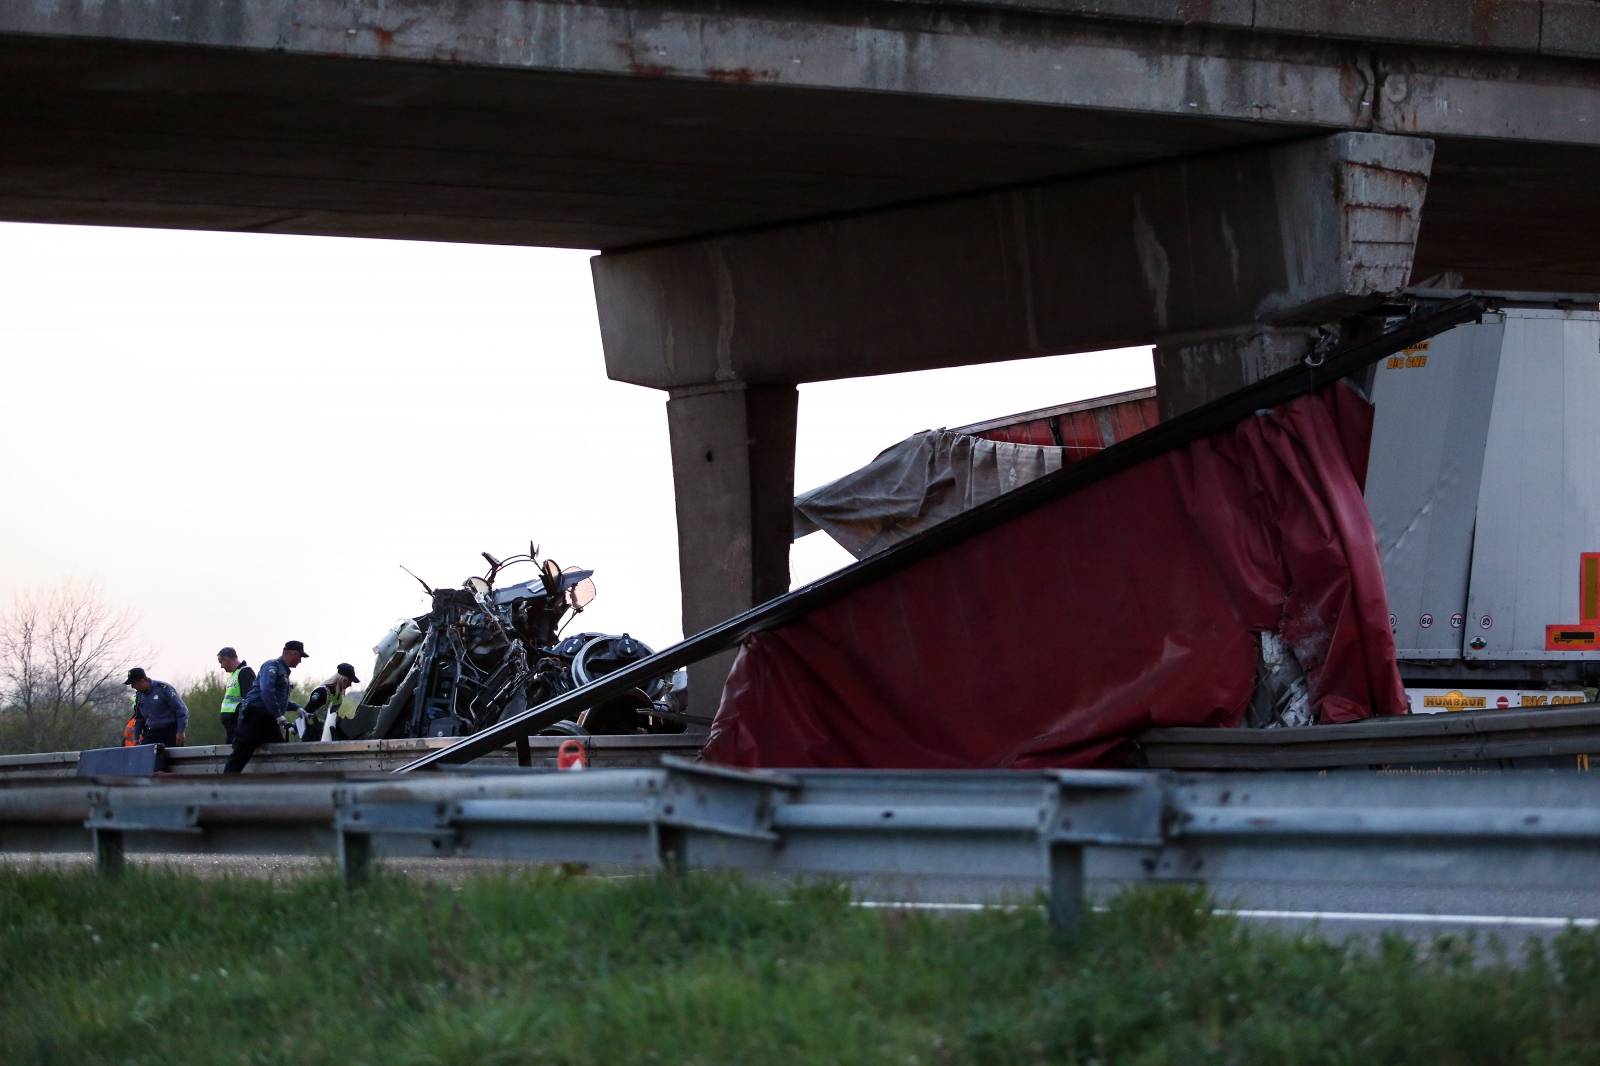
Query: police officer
[329, 698]
[241, 678]
[160, 711]
[264, 706]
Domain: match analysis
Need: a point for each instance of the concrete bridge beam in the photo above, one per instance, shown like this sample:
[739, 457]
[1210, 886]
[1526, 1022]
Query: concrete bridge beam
[1194, 370]
[1292, 235]
[1232, 260]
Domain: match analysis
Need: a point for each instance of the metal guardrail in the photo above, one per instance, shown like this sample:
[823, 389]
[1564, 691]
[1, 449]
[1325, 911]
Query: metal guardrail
[1505, 737]
[908, 834]
[368, 756]
[1407, 740]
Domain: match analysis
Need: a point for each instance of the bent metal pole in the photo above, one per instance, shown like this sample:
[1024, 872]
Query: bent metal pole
[1425, 321]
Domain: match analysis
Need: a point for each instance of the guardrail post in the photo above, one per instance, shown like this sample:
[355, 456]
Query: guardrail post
[1065, 904]
[524, 752]
[109, 856]
[1099, 808]
[672, 848]
[354, 849]
[715, 801]
[355, 857]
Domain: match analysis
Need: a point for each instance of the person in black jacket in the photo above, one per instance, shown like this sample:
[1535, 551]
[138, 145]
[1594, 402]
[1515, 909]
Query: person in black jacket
[264, 707]
[162, 716]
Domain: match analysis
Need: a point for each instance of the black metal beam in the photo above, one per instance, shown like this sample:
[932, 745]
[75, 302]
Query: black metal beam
[1203, 421]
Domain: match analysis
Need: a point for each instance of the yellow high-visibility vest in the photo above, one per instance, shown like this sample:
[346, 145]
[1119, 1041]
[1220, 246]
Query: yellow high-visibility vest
[231, 698]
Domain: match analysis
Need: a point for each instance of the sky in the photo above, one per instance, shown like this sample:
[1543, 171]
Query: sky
[242, 437]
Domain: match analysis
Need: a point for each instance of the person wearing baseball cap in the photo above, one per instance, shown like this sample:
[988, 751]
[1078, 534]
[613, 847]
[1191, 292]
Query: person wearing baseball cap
[159, 712]
[264, 707]
[328, 698]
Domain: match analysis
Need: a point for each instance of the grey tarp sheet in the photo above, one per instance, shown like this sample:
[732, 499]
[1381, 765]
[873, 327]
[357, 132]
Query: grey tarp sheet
[915, 484]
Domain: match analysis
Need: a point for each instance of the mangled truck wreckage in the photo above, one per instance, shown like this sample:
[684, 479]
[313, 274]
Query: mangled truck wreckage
[1473, 498]
[483, 653]
[1154, 597]
[1218, 568]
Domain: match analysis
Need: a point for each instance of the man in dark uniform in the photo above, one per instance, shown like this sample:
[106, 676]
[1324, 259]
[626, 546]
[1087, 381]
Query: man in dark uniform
[264, 707]
[160, 712]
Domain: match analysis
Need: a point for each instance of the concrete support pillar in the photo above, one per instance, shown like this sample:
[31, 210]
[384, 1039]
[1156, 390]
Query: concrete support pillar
[733, 471]
[1199, 368]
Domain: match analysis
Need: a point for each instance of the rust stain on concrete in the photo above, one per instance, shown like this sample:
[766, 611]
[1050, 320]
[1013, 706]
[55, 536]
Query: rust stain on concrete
[638, 67]
[741, 75]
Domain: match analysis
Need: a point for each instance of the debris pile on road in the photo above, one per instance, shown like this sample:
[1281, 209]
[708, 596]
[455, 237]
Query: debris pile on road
[483, 653]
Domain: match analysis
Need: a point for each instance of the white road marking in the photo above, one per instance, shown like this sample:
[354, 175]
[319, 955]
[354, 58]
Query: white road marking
[1419, 919]
[1282, 915]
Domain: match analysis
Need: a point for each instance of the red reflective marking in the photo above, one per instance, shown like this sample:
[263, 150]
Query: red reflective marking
[1589, 587]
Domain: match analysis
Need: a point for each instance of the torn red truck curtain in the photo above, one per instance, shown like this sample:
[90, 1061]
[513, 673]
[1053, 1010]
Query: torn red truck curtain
[1056, 637]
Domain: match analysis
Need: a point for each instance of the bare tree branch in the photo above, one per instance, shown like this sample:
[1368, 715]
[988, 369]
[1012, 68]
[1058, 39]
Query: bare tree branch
[60, 653]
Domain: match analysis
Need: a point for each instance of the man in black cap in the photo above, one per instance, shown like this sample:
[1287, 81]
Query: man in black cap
[264, 707]
[160, 712]
[330, 696]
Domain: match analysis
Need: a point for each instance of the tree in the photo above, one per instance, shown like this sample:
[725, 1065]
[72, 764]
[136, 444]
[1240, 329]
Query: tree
[204, 700]
[62, 652]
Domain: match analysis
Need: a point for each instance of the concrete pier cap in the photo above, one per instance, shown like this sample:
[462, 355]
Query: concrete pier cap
[1229, 263]
[1296, 234]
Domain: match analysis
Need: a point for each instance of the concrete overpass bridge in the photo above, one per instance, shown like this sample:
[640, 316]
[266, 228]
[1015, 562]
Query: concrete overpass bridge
[792, 192]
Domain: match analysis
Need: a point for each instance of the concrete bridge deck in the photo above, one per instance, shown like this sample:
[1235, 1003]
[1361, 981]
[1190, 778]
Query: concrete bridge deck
[787, 192]
[614, 125]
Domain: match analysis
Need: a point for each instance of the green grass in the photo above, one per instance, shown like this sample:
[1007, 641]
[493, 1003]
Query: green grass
[165, 968]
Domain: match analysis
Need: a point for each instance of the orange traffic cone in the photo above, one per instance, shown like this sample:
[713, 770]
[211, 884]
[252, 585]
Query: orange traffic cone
[571, 756]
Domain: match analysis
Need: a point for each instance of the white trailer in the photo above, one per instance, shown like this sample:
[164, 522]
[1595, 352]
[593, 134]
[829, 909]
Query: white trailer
[1484, 488]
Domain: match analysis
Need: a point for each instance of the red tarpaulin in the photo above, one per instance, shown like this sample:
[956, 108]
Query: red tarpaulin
[1054, 638]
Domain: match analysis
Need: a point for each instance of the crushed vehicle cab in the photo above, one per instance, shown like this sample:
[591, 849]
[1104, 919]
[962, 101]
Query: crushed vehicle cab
[483, 652]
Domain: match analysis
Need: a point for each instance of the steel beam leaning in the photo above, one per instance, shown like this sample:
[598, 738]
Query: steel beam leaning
[1202, 421]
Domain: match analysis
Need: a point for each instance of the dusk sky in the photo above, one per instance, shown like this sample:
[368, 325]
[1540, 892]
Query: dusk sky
[242, 437]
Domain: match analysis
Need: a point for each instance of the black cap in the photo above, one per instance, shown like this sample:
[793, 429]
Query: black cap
[136, 674]
[346, 670]
[227, 653]
[295, 645]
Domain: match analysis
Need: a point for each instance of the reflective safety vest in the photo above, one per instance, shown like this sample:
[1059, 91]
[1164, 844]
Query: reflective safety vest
[331, 713]
[231, 698]
[130, 728]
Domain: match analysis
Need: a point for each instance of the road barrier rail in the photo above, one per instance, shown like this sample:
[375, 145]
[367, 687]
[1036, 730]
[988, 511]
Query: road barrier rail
[1567, 734]
[1560, 735]
[971, 836]
[369, 756]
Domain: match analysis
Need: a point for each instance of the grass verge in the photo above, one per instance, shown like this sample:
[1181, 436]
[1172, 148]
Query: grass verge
[164, 967]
